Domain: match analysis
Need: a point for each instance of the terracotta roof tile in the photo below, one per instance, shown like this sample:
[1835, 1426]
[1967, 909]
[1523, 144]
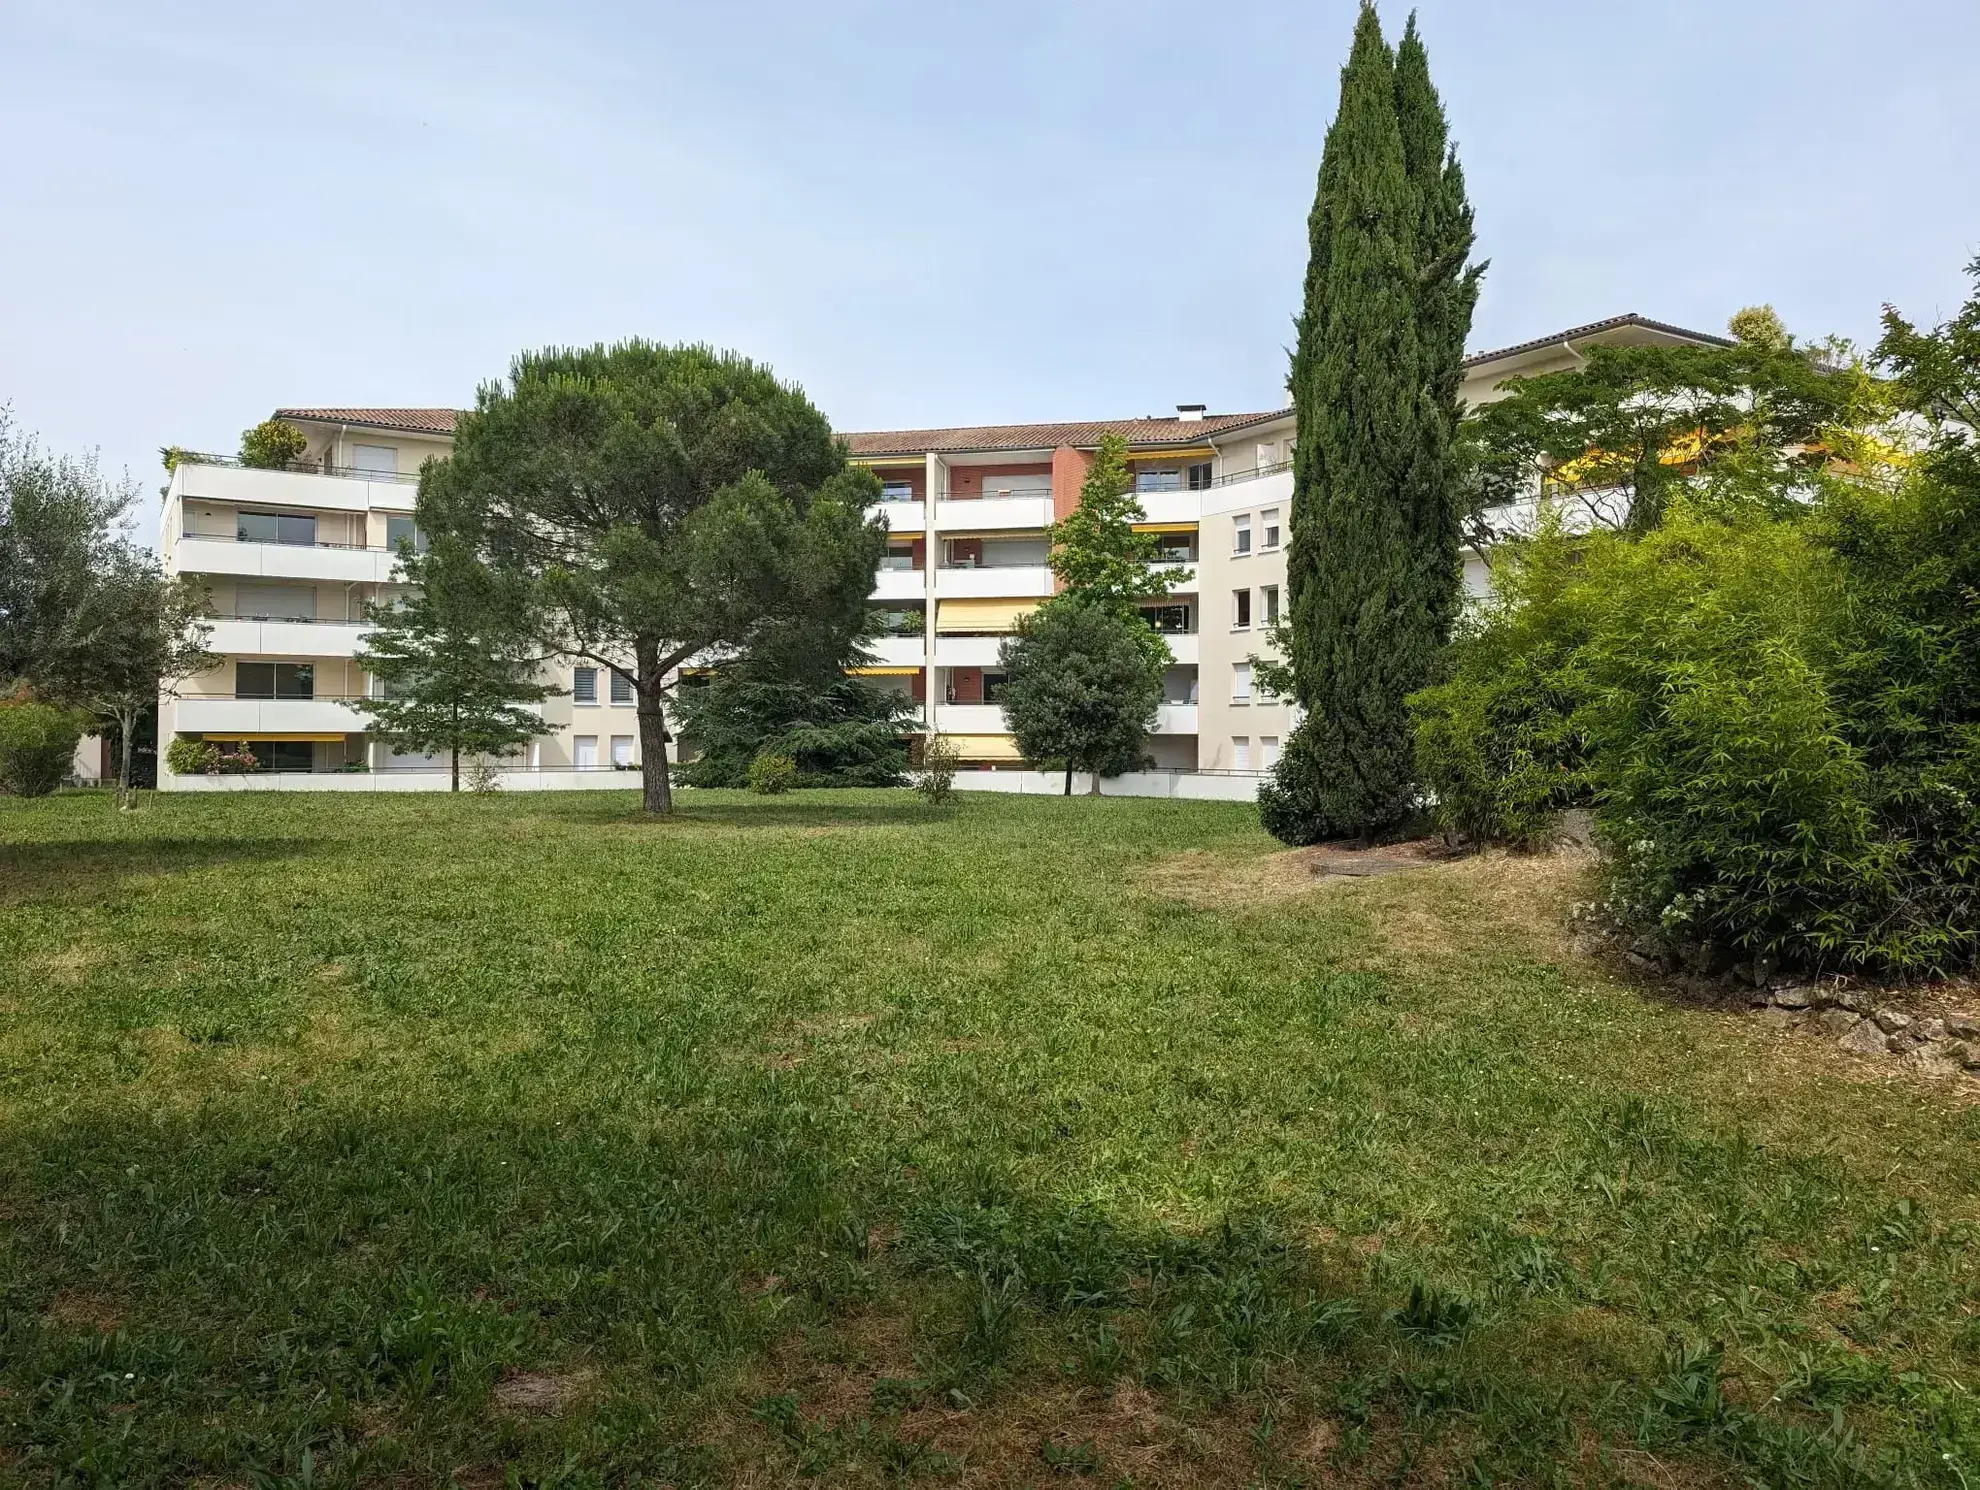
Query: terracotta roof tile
[1169, 430]
[412, 421]
[1575, 333]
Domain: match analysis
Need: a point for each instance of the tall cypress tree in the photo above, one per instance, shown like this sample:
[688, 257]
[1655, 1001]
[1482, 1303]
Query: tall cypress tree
[1372, 566]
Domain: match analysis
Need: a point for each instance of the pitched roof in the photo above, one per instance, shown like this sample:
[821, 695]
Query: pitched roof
[1613, 323]
[411, 421]
[1167, 430]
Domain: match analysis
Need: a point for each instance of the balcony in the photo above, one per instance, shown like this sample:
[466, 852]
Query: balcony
[902, 517]
[897, 651]
[1175, 719]
[1171, 506]
[339, 563]
[260, 637]
[994, 515]
[967, 651]
[970, 719]
[900, 584]
[1022, 581]
[244, 718]
[1183, 646]
[207, 479]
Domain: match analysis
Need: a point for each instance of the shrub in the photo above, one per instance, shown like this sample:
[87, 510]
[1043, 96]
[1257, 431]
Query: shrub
[1498, 750]
[772, 775]
[186, 756]
[936, 778]
[272, 445]
[37, 745]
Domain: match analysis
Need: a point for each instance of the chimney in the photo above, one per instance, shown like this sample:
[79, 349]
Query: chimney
[1190, 413]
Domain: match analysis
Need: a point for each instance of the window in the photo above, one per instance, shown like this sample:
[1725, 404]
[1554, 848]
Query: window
[622, 689]
[1269, 521]
[1199, 477]
[274, 680]
[1268, 454]
[1174, 548]
[1158, 481]
[897, 491]
[274, 603]
[397, 529]
[622, 752]
[584, 688]
[1240, 752]
[1240, 682]
[1240, 610]
[899, 556]
[1241, 533]
[375, 460]
[283, 755]
[1268, 752]
[993, 687]
[274, 527]
[898, 620]
[1171, 619]
[584, 751]
[1268, 599]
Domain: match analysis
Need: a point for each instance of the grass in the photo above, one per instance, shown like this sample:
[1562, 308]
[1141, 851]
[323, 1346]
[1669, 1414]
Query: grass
[417, 1141]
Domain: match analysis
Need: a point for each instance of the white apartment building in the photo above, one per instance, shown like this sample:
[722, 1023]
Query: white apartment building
[289, 557]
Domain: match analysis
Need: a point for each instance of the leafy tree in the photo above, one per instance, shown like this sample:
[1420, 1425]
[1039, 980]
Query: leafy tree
[837, 730]
[1080, 689]
[1620, 434]
[658, 504]
[37, 743]
[61, 520]
[134, 638]
[457, 673]
[1372, 557]
[271, 445]
[1096, 553]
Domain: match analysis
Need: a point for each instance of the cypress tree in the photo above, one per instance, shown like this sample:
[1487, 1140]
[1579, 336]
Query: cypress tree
[1372, 563]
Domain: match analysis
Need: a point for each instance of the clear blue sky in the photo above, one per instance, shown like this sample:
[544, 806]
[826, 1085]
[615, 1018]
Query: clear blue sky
[925, 213]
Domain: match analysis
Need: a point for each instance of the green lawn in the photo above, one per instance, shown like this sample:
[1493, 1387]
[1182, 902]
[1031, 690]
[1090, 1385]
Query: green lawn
[376, 1140]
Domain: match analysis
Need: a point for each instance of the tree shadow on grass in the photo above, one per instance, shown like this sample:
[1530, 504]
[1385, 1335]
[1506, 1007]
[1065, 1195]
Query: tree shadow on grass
[223, 1294]
[89, 869]
[846, 810]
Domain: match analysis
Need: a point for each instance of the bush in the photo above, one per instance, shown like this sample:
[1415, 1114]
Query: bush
[841, 731]
[271, 445]
[1498, 750]
[936, 778]
[37, 745]
[186, 756]
[772, 775]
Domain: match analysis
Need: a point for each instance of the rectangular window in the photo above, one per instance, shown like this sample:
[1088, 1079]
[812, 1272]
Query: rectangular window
[274, 680]
[1268, 599]
[375, 460]
[1269, 521]
[584, 688]
[283, 755]
[275, 527]
[897, 491]
[1240, 610]
[1170, 619]
[398, 529]
[899, 556]
[584, 751]
[1240, 752]
[274, 602]
[1240, 682]
[1158, 481]
[993, 687]
[622, 690]
[1268, 752]
[1241, 534]
[1199, 477]
[1268, 454]
[622, 752]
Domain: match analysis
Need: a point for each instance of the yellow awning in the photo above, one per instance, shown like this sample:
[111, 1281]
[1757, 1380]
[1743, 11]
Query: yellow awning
[276, 734]
[1203, 452]
[981, 615]
[889, 460]
[883, 672]
[1165, 527]
[985, 747]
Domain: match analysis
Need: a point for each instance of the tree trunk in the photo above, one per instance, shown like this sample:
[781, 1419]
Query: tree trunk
[454, 760]
[1068, 778]
[1094, 789]
[657, 795]
[127, 725]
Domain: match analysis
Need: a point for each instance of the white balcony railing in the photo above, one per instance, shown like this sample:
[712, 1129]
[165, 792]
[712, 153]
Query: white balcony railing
[242, 718]
[900, 584]
[232, 637]
[245, 486]
[1175, 719]
[897, 651]
[218, 555]
[967, 651]
[1011, 581]
[994, 515]
[971, 719]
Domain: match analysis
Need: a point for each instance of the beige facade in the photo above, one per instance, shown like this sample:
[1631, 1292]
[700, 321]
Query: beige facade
[290, 557]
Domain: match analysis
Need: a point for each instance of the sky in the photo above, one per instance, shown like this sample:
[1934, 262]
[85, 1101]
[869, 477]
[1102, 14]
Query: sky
[924, 213]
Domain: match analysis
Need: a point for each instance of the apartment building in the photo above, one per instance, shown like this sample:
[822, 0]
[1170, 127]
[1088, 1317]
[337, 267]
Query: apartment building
[290, 557]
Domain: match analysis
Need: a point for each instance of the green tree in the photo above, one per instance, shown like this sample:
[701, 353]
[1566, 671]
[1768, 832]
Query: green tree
[37, 743]
[838, 730]
[1096, 553]
[134, 638]
[658, 504]
[1375, 526]
[1079, 689]
[61, 521]
[456, 672]
[271, 445]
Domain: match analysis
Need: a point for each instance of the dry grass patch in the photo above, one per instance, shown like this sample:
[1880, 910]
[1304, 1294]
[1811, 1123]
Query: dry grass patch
[1214, 881]
[541, 1391]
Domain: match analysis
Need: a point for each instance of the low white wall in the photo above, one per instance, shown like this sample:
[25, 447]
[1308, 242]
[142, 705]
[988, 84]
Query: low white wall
[1188, 786]
[397, 781]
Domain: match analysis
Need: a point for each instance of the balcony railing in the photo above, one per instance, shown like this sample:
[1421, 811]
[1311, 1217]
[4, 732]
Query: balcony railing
[1031, 563]
[274, 698]
[299, 467]
[1231, 478]
[369, 548]
[288, 620]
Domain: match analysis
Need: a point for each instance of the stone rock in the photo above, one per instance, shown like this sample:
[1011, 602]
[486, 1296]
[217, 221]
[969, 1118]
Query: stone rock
[1852, 999]
[1934, 1060]
[1794, 998]
[1963, 1026]
[1963, 1052]
[1864, 1038]
[1932, 1030]
[1839, 1021]
[1775, 1018]
[1638, 961]
[1890, 1021]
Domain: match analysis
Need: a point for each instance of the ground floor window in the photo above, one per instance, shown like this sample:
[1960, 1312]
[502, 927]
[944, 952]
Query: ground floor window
[584, 751]
[284, 755]
[622, 751]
